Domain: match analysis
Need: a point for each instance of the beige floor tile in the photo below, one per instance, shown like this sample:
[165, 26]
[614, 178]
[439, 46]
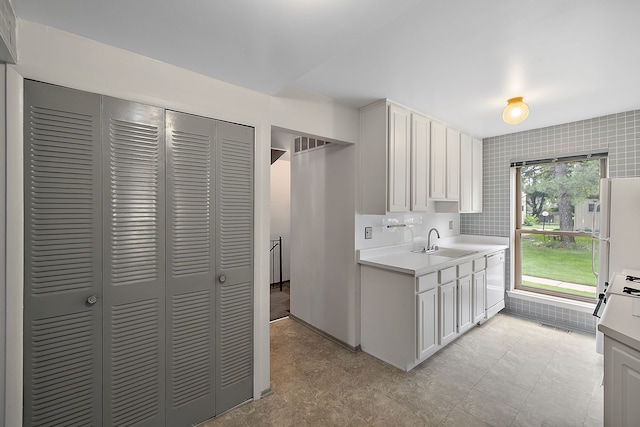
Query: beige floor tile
[457, 418]
[504, 389]
[509, 370]
[488, 409]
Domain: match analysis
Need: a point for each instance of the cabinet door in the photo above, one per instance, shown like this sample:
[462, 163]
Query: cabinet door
[622, 384]
[133, 155]
[448, 318]
[477, 177]
[466, 174]
[427, 323]
[438, 172]
[479, 289]
[234, 269]
[453, 164]
[62, 257]
[465, 304]
[419, 162]
[399, 159]
[190, 268]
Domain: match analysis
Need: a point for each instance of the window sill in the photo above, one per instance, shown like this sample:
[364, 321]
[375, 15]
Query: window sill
[584, 307]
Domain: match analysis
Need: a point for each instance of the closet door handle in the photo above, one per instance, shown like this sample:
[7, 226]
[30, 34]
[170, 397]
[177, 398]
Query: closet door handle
[222, 278]
[92, 299]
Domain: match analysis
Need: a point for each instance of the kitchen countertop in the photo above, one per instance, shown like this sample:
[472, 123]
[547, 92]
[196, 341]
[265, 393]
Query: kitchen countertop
[399, 258]
[617, 320]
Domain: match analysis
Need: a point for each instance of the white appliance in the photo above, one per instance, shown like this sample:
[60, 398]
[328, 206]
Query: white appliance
[495, 283]
[616, 232]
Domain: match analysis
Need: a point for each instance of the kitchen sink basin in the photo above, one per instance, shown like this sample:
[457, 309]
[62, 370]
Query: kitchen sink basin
[450, 252]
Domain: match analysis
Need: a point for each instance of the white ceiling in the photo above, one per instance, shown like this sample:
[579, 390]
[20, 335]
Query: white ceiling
[455, 60]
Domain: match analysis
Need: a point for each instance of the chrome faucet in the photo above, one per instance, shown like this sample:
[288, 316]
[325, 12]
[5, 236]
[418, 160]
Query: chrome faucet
[429, 246]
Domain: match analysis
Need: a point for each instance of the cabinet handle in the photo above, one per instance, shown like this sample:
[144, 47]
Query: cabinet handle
[92, 299]
[222, 278]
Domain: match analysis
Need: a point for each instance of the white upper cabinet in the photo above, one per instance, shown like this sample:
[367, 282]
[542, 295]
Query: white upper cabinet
[385, 158]
[470, 174]
[466, 173]
[407, 159]
[453, 164]
[445, 162]
[399, 162]
[420, 137]
[438, 182]
[477, 175]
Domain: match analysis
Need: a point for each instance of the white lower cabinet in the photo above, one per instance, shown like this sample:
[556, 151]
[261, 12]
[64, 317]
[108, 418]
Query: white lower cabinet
[406, 319]
[448, 318]
[465, 304]
[427, 323]
[621, 384]
[478, 296]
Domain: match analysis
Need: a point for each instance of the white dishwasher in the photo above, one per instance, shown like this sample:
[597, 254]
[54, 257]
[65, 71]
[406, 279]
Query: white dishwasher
[495, 283]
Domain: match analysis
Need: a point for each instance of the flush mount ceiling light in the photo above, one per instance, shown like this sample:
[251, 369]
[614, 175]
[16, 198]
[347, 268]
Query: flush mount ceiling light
[515, 112]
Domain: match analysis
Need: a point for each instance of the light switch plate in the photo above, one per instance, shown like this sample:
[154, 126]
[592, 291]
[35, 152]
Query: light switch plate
[368, 232]
[450, 225]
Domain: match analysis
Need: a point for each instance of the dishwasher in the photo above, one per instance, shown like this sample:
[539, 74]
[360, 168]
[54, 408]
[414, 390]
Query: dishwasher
[495, 283]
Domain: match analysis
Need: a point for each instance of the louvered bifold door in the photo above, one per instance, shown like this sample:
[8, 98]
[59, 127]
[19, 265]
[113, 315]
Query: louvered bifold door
[190, 269]
[63, 244]
[234, 272]
[134, 263]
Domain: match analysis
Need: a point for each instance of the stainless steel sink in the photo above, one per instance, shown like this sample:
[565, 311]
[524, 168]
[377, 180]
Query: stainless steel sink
[450, 252]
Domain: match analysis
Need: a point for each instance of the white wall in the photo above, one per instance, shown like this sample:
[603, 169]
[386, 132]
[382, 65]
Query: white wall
[281, 213]
[315, 115]
[57, 57]
[323, 269]
[3, 222]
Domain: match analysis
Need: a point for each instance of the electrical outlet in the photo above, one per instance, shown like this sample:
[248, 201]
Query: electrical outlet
[450, 225]
[368, 232]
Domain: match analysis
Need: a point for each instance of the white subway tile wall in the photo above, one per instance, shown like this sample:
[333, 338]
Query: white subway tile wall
[617, 134]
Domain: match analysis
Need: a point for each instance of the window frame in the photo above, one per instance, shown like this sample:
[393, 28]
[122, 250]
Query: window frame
[517, 231]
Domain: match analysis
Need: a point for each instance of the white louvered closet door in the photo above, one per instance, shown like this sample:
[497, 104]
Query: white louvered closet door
[133, 156]
[234, 270]
[63, 247]
[190, 268]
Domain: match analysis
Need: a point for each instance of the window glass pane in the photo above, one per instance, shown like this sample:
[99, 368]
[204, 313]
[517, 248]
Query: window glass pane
[560, 197]
[550, 264]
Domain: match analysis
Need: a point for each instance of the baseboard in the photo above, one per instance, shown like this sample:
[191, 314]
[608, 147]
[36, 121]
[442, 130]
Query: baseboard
[325, 335]
[549, 322]
[266, 393]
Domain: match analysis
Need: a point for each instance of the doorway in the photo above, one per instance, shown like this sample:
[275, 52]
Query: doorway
[280, 238]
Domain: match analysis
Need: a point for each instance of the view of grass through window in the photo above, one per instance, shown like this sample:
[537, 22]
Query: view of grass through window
[558, 209]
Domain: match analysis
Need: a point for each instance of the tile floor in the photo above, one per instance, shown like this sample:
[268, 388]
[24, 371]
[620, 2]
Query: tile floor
[507, 372]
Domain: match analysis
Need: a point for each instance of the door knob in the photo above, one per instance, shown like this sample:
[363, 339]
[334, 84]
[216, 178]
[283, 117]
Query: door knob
[92, 299]
[222, 278]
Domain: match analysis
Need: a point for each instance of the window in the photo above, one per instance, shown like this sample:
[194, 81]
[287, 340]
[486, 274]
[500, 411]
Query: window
[557, 202]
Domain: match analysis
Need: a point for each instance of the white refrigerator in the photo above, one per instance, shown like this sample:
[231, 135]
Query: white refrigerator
[616, 232]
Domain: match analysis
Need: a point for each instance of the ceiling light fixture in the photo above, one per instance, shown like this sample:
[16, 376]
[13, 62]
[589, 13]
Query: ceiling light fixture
[515, 112]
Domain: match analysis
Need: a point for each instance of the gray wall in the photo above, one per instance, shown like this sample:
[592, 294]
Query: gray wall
[618, 134]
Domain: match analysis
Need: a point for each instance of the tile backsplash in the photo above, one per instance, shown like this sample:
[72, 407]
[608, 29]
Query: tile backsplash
[418, 225]
[617, 134]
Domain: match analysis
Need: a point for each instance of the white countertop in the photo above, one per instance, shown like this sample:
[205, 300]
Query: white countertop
[617, 320]
[400, 258]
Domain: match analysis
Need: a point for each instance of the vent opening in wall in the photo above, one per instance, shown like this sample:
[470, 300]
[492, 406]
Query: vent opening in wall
[303, 143]
[556, 328]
